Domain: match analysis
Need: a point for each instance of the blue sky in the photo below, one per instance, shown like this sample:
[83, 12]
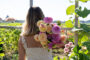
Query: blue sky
[52, 8]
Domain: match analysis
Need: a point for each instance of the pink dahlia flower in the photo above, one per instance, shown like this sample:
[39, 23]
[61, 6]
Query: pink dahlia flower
[66, 50]
[67, 46]
[56, 29]
[70, 43]
[48, 20]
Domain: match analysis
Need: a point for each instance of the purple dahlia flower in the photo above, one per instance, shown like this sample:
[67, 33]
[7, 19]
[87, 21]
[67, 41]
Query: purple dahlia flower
[50, 45]
[55, 41]
[56, 29]
[48, 20]
[56, 36]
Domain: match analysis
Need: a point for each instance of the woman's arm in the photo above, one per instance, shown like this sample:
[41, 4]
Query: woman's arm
[21, 50]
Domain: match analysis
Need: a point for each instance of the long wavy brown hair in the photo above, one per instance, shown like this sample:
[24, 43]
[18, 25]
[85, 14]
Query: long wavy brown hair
[30, 26]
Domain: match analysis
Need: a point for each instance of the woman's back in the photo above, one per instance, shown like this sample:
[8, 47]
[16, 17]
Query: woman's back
[31, 43]
[34, 50]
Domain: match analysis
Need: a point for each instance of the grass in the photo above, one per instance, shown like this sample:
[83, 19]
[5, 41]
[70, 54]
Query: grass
[88, 24]
[10, 24]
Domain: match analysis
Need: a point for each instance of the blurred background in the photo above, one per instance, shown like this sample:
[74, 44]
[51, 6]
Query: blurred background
[13, 14]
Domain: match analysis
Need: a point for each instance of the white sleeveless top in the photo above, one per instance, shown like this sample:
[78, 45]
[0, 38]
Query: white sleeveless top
[37, 53]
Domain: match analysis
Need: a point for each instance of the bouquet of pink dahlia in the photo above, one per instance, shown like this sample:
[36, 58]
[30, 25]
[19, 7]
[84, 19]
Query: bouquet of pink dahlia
[50, 34]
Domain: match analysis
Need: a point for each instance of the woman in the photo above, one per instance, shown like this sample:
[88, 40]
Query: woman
[28, 47]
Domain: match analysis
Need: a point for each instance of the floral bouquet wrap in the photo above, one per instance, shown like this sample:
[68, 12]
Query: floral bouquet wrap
[49, 34]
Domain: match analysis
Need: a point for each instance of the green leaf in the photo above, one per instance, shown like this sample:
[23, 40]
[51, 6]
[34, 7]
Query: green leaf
[1, 42]
[80, 56]
[70, 10]
[83, 56]
[85, 27]
[73, 56]
[64, 58]
[76, 49]
[84, 39]
[2, 54]
[83, 13]
[86, 52]
[83, 0]
[55, 58]
[69, 24]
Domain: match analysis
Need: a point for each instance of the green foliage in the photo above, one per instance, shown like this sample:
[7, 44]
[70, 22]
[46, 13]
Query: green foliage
[2, 54]
[83, 40]
[59, 23]
[82, 13]
[10, 24]
[73, 56]
[10, 38]
[75, 53]
[78, 54]
[85, 27]
[69, 24]
[82, 37]
[64, 58]
[83, 56]
[55, 58]
[1, 48]
[84, 0]
[76, 49]
[70, 10]
[87, 44]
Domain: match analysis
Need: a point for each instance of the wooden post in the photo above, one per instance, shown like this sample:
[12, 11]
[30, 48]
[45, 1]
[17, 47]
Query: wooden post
[76, 24]
[31, 3]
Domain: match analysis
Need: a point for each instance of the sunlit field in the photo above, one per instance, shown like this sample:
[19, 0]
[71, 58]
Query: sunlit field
[10, 24]
[9, 39]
